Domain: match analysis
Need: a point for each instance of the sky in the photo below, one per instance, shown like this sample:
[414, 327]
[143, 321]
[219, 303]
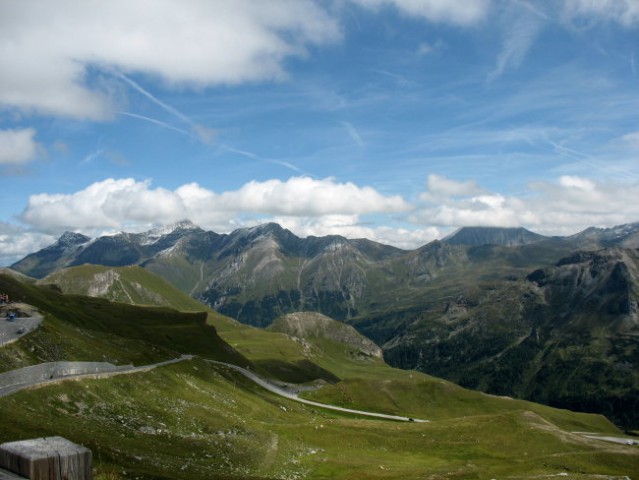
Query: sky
[393, 120]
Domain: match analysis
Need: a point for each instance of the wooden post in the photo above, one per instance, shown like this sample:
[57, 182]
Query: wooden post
[51, 458]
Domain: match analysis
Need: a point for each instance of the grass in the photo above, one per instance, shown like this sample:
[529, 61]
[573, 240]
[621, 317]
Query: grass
[375, 386]
[194, 421]
[130, 284]
[273, 354]
[86, 328]
[215, 424]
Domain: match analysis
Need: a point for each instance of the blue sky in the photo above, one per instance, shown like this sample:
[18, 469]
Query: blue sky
[395, 120]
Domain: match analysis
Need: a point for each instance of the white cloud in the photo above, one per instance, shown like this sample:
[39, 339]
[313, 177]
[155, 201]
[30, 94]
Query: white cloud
[572, 182]
[350, 226]
[126, 203]
[18, 147]
[322, 207]
[345, 225]
[71, 57]
[304, 196]
[15, 243]
[485, 210]
[563, 207]
[46, 47]
[48, 50]
[459, 12]
[439, 186]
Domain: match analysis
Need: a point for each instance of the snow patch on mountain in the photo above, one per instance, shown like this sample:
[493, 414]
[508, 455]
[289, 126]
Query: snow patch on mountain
[152, 236]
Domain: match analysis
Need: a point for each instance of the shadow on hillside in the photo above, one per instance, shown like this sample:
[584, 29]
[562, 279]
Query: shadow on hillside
[301, 371]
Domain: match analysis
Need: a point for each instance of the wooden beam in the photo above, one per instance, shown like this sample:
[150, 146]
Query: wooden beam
[50, 458]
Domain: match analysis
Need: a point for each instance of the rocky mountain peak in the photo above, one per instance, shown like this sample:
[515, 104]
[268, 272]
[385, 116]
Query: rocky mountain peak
[265, 229]
[507, 237]
[181, 227]
[626, 236]
[71, 239]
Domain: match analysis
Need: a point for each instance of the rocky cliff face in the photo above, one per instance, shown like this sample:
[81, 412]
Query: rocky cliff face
[587, 284]
[567, 335]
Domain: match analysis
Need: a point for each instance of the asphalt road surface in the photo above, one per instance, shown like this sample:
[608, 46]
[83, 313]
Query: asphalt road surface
[10, 331]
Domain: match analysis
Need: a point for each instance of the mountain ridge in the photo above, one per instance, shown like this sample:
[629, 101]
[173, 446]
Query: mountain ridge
[493, 235]
[139, 247]
[477, 314]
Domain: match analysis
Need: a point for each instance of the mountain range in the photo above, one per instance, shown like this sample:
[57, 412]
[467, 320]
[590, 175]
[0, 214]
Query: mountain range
[506, 311]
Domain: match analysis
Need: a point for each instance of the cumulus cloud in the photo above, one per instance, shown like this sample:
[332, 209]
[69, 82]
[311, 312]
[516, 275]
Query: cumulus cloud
[562, 207]
[18, 147]
[321, 207]
[304, 196]
[576, 183]
[460, 12]
[127, 203]
[492, 210]
[16, 242]
[47, 48]
[351, 226]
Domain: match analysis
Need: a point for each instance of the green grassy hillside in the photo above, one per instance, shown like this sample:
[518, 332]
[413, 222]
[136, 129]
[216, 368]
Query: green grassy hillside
[195, 420]
[367, 383]
[88, 329]
[131, 284]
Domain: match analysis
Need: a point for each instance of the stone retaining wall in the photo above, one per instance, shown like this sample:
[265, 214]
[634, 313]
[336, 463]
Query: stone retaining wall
[13, 380]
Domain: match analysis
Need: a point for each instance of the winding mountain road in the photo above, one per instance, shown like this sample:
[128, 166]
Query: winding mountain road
[291, 396]
[53, 372]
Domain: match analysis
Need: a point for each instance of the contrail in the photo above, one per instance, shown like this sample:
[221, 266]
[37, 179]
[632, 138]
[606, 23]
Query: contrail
[257, 157]
[353, 133]
[205, 134]
[155, 100]
[156, 122]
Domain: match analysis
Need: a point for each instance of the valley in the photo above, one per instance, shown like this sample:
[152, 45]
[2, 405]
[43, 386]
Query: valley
[197, 420]
[504, 311]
